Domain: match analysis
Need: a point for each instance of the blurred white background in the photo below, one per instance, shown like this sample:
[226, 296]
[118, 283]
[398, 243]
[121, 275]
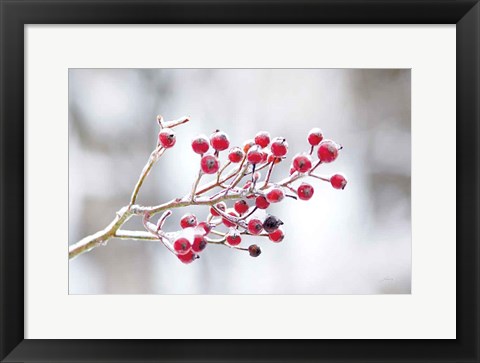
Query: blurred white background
[355, 241]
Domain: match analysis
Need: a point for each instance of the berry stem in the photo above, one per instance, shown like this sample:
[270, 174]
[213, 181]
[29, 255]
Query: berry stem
[195, 185]
[154, 156]
[219, 174]
[269, 174]
[163, 218]
[319, 177]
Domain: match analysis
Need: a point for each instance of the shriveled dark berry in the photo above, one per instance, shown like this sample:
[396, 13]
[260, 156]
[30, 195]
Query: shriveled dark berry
[254, 250]
[271, 223]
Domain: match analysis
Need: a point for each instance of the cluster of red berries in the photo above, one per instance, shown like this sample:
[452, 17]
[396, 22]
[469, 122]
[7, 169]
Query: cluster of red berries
[256, 154]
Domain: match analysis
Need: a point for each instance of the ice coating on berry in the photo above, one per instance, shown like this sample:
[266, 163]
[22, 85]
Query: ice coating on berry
[167, 138]
[305, 191]
[220, 206]
[235, 155]
[200, 144]
[199, 243]
[262, 139]
[228, 222]
[277, 235]
[219, 141]
[188, 220]
[209, 164]
[315, 136]
[182, 245]
[255, 226]
[327, 151]
[338, 181]
[275, 195]
[261, 202]
[187, 258]
[279, 147]
[302, 163]
[234, 239]
[240, 206]
[254, 155]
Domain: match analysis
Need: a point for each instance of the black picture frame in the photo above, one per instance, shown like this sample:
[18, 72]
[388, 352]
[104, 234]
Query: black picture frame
[17, 13]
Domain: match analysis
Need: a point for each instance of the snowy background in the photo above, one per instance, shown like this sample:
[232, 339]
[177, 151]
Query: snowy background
[355, 241]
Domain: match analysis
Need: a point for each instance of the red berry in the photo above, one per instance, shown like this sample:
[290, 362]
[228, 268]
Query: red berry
[276, 236]
[188, 257]
[247, 145]
[315, 136]
[220, 206]
[203, 228]
[200, 144]
[219, 141]
[254, 250]
[240, 206]
[254, 155]
[255, 226]
[305, 191]
[188, 220]
[167, 138]
[279, 147]
[275, 195]
[182, 246]
[199, 243]
[292, 170]
[209, 164]
[327, 151]
[262, 139]
[261, 202]
[227, 222]
[271, 223]
[235, 155]
[338, 181]
[302, 163]
[234, 239]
